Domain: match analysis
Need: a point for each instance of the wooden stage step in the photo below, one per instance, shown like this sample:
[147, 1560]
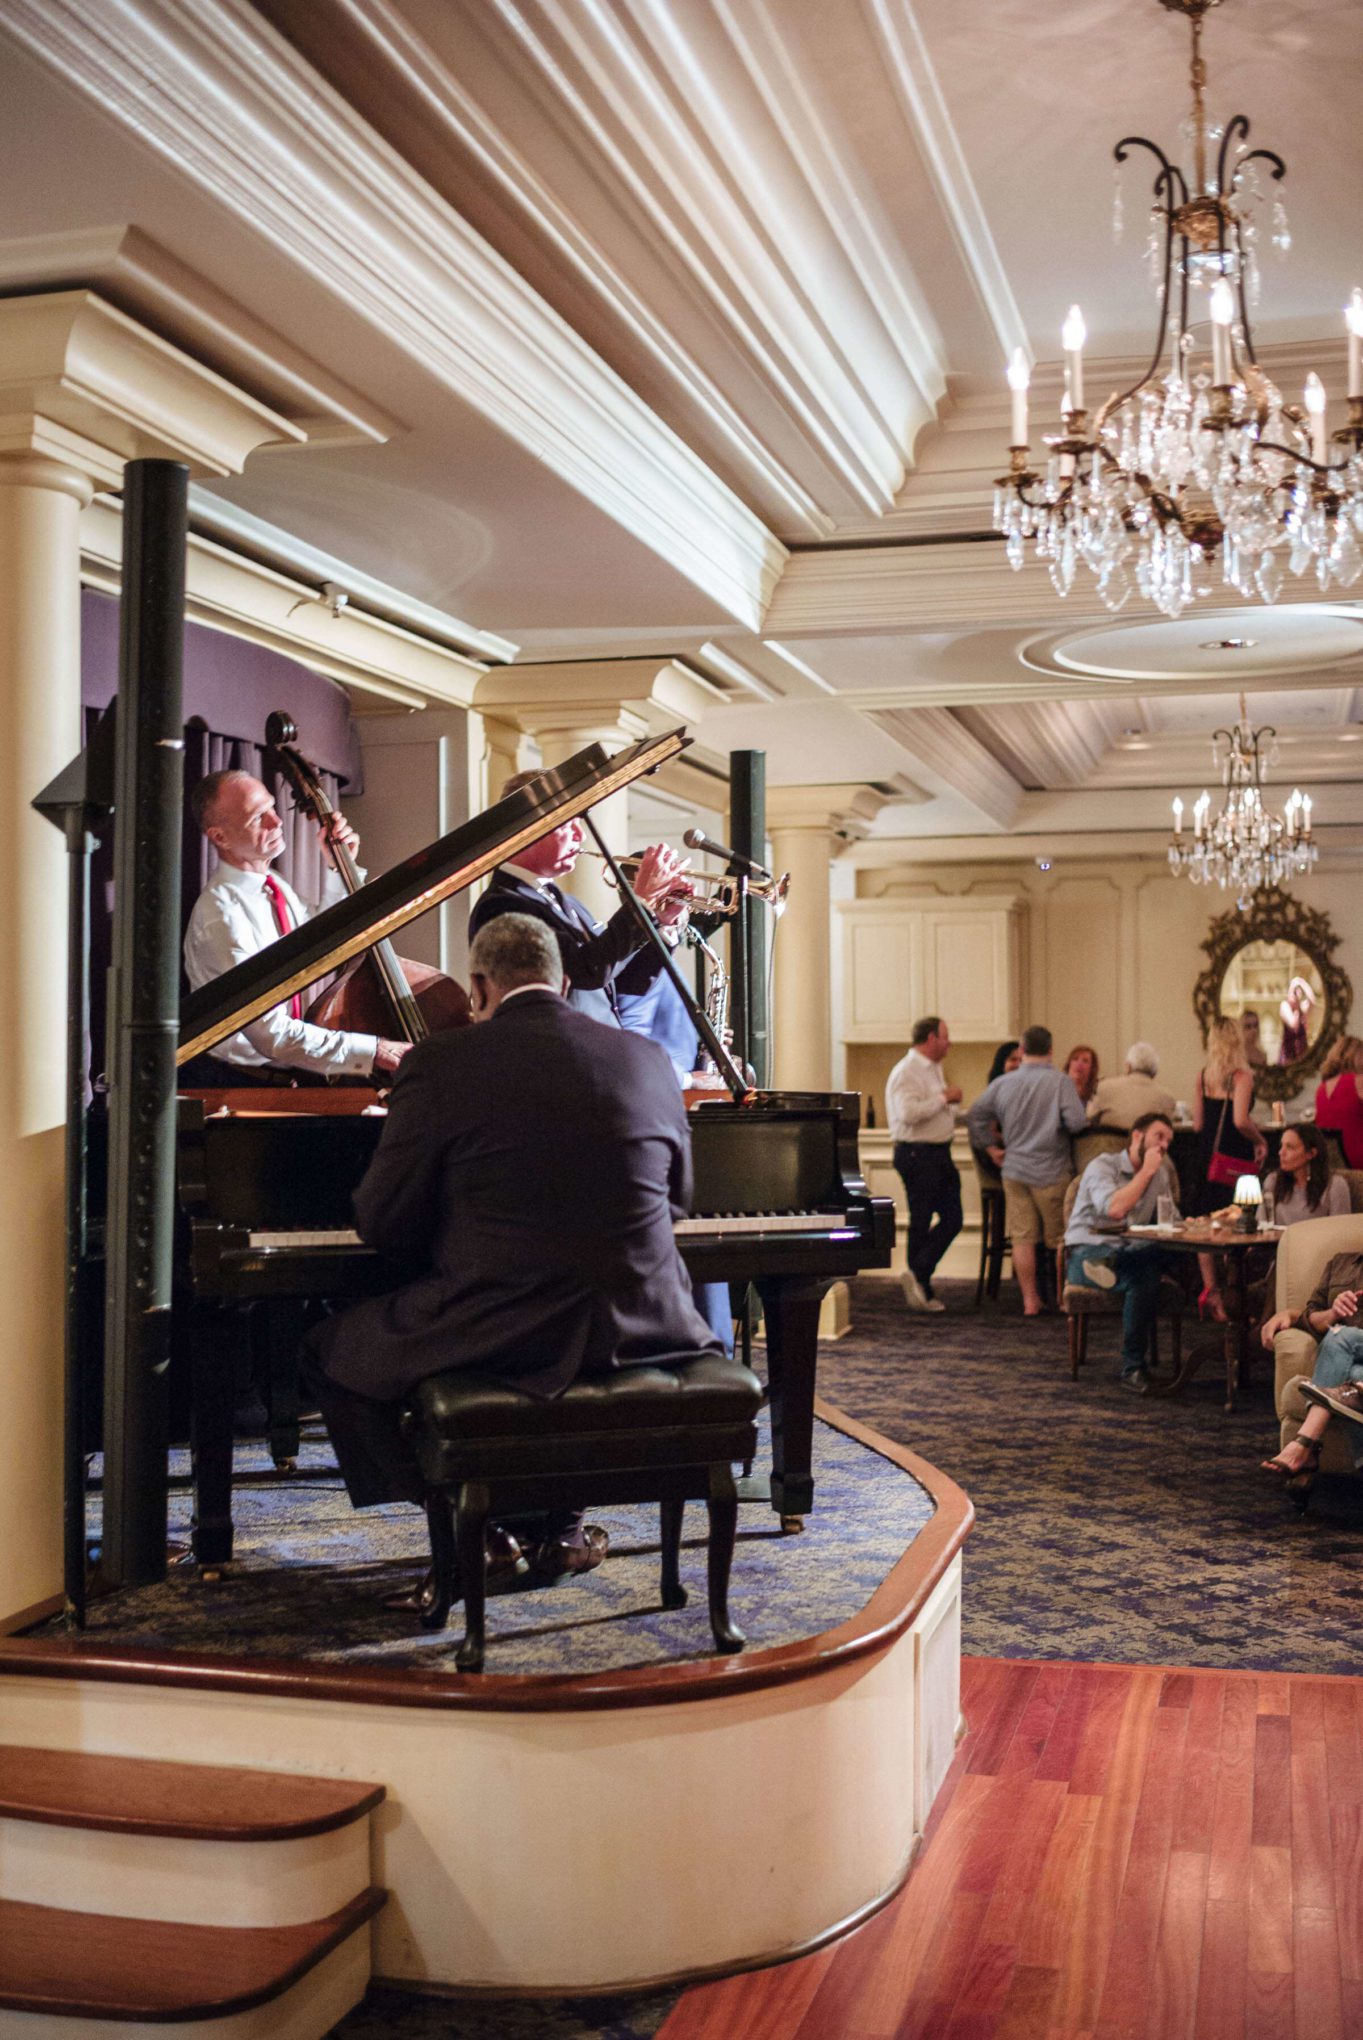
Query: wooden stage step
[193, 1802]
[95, 1966]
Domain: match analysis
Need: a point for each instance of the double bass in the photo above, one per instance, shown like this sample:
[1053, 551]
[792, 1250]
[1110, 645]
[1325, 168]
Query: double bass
[380, 992]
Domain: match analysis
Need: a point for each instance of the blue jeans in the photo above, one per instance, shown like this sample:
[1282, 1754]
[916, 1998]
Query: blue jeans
[1138, 1271]
[1340, 1359]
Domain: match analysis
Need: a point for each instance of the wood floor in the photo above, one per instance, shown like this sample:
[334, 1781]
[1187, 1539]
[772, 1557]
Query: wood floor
[1117, 1851]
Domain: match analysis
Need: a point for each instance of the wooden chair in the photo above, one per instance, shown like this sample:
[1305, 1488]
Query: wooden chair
[1080, 1303]
[664, 1434]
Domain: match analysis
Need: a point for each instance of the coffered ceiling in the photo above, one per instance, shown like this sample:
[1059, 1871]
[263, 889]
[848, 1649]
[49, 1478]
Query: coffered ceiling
[634, 327]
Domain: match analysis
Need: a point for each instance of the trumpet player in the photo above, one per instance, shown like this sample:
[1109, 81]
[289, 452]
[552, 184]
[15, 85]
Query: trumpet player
[594, 954]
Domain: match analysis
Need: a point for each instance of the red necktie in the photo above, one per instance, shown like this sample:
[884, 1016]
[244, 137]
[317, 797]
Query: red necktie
[283, 920]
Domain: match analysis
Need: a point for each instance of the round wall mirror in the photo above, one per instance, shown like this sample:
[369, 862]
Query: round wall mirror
[1271, 967]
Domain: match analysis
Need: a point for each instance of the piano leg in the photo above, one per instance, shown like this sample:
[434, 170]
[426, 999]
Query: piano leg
[282, 1329]
[214, 1338]
[790, 1305]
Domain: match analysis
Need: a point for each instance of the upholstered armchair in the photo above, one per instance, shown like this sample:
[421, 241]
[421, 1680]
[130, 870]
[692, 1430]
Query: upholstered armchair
[1303, 1252]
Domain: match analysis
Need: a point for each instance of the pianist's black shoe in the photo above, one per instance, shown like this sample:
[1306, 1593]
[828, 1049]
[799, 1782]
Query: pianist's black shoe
[507, 1566]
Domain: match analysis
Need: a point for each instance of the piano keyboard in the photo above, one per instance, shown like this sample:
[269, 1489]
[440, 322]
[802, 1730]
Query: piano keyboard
[707, 1226]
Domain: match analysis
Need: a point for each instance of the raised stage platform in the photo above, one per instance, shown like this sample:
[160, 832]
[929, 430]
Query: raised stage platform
[720, 1812]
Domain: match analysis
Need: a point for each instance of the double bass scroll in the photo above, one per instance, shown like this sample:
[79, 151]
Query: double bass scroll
[380, 993]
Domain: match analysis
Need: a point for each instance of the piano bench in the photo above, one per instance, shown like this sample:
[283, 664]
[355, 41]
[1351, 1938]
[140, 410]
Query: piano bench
[664, 1434]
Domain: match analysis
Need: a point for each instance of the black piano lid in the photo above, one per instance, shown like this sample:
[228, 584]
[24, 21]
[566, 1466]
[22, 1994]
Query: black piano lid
[413, 887]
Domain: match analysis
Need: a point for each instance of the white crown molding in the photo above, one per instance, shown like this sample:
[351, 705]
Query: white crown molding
[68, 357]
[1054, 743]
[915, 81]
[231, 105]
[455, 113]
[862, 591]
[131, 271]
[948, 759]
[733, 214]
[378, 662]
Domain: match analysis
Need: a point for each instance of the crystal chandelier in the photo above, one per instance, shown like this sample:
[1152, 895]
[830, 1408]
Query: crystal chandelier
[1246, 846]
[1204, 458]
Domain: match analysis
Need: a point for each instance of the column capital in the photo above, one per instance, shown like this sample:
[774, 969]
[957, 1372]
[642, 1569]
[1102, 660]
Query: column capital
[842, 811]
[41, 466]
[608, 695]
[83, 384]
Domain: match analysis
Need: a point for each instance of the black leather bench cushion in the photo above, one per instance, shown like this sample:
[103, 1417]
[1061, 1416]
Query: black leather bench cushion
[699, 1394]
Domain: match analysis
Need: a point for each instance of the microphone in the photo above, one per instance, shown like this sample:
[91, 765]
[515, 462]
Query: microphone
[694, 839]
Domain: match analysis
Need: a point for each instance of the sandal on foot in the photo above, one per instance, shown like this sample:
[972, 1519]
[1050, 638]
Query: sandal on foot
[1308, 1465]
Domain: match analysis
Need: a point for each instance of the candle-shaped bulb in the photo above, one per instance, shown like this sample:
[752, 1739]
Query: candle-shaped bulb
[1314, 395]
[1019, 376]
[1306, 812]
[1178, 816]
[1353, 319]
[1222, 309]
[1072, 337]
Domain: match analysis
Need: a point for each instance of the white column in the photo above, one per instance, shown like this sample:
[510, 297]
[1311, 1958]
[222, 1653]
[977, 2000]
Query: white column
[40, 505]
[808, 826]
[802, 1036]
[83, 389]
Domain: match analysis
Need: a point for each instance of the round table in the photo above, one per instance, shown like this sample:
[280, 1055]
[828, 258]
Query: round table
[1235, 1244]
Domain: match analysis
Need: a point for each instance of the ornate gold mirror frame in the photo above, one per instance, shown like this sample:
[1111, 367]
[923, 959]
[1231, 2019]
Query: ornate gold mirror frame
[1275, 916]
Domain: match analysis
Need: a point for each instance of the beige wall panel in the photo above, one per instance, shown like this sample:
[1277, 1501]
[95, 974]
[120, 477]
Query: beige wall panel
[1079, 978]
[1112, 948]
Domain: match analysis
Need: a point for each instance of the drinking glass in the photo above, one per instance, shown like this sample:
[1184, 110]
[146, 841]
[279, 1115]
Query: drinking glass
[1266, 1206]
[1164, 1213]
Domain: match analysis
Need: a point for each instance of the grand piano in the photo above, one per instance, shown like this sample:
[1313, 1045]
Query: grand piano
[266, 1178]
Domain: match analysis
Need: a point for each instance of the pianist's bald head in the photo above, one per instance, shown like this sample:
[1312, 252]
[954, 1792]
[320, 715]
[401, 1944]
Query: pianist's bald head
[513, 953]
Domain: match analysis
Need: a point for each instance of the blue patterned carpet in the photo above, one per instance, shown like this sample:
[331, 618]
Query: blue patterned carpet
[1108, 1527]
[310, 1575]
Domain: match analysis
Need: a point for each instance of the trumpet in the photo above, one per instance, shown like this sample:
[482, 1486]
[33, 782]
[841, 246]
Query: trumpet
[704, 894]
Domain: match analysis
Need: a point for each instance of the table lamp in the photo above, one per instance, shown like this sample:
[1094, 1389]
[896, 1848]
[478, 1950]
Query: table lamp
[1248, 1193]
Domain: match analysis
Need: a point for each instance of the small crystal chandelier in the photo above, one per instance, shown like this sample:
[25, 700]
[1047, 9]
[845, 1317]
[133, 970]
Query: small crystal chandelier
[1245, 847]
[1209, 457]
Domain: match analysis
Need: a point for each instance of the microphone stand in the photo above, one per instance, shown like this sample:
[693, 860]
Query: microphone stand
[733, 1076]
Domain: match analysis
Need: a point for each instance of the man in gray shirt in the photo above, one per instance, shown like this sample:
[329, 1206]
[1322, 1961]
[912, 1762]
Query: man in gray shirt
[1123, 1189]
[1024, 1122]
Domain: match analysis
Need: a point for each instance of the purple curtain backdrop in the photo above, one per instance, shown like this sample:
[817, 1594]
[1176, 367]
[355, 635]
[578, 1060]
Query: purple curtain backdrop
[230, 687]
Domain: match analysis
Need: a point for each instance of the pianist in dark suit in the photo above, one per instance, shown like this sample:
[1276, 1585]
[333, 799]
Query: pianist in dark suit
[594, 954]
[527, 1179]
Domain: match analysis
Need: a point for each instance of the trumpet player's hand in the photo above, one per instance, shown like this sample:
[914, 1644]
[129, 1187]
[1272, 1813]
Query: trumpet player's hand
[662, 884]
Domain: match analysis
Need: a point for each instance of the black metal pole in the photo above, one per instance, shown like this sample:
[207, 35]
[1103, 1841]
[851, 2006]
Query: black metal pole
[144, 992]
[748, 939]
[79, 844]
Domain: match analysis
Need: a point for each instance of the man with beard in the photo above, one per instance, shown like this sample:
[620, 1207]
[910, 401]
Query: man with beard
[1124, 1189]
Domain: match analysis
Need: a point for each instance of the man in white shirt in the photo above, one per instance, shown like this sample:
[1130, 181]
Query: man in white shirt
[245, 907]
[920, 1106]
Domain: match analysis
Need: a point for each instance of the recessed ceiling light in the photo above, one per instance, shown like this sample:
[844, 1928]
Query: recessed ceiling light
[1230, 644]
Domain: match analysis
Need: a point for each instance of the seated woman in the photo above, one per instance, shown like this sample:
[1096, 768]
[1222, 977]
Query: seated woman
[1334, 1389]
[1303, 1184]
[1339, 1102]
[1081, 1067]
